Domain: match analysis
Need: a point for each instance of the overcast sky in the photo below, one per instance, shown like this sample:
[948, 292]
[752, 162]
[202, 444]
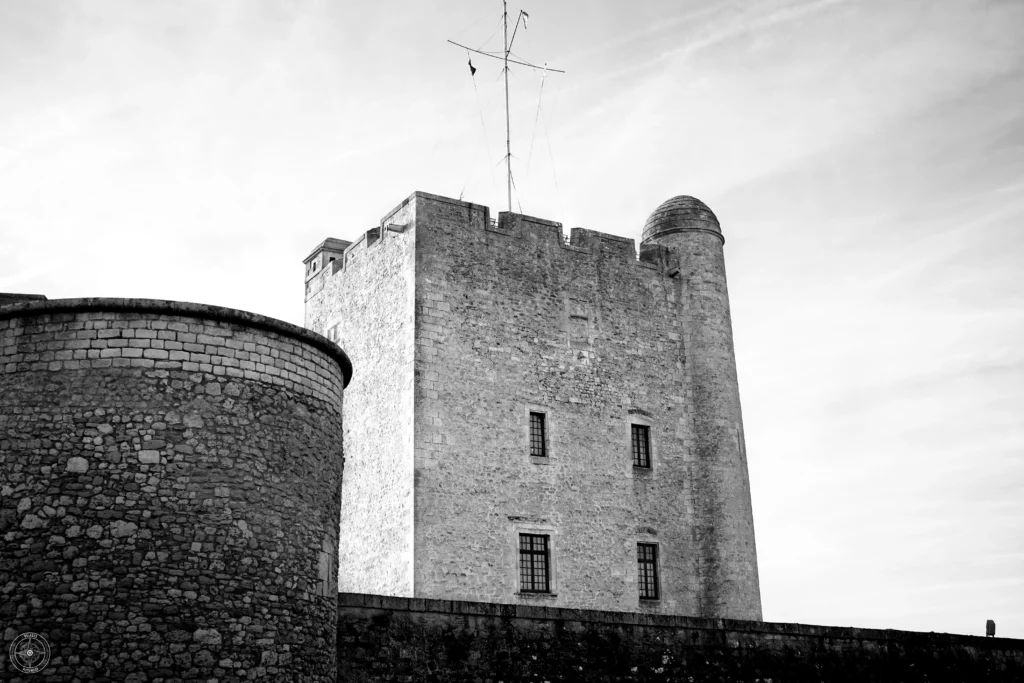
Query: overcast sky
[866, 159]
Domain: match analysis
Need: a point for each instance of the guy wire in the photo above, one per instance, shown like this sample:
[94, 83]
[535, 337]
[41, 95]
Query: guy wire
[483, 125]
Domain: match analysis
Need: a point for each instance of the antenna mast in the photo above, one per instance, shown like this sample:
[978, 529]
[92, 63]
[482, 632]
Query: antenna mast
[523, 16]
[508, 133]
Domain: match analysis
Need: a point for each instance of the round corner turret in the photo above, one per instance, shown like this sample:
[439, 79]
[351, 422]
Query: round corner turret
[680, 214]
[685, 237]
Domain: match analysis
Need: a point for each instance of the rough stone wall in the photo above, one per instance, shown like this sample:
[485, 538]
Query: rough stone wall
[511, 319]
[170, 478]
[722, 518]
[365, 302]
[395, 639]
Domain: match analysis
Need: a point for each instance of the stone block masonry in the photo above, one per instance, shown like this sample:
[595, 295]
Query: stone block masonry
[398, 639]
[170, 477]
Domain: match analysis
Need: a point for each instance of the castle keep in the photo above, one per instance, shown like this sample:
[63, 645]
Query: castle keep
[537, 420]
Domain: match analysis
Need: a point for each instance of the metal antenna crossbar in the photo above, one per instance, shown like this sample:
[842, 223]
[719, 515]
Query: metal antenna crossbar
[504, 57]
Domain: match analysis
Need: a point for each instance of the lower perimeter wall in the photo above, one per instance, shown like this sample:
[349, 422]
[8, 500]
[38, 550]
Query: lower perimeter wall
[405, 639]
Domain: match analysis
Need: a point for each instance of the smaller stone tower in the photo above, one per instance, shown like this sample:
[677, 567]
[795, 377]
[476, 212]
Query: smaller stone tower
[170, 479]
[685, 236]
[326, 253]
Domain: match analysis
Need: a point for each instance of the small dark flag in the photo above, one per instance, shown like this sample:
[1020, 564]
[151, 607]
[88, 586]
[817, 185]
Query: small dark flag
[472, 69]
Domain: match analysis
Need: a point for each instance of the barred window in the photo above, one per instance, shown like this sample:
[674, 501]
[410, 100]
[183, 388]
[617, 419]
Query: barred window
[537, 436]
[641, 446]
[647, 570]
[534, 576]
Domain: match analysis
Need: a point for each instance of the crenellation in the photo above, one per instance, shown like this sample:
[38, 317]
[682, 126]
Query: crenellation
[525, 229]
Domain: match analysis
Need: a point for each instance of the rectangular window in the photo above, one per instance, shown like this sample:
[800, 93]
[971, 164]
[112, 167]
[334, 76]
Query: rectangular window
[647, 570]
[534, 576]
[537, 440]
[641, 446]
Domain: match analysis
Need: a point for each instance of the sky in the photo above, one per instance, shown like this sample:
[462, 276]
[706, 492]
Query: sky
[865, 159]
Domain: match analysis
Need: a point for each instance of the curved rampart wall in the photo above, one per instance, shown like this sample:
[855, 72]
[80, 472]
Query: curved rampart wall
[171, 478]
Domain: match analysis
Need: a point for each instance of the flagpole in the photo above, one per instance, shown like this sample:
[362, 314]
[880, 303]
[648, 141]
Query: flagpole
[508, 134]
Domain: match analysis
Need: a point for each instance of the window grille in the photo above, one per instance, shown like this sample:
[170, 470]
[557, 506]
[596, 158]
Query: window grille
[641, 446]
[537, 440]
[534, 576]
[647, 570]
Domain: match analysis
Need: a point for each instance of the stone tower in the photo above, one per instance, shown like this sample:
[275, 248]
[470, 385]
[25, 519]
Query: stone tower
[537, 420]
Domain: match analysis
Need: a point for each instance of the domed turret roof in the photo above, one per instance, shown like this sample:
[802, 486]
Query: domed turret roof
[679, 214]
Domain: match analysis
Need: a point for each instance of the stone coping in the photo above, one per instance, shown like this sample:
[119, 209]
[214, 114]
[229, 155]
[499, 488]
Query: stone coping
[182, 308]
[654, 235]
[14, 297]
[391, 603]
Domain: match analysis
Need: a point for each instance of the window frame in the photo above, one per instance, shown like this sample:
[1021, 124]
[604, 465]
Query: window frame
[538, 527]
[533, 553]
[644, 429]
[642, 418]
[550, 433]
[655, 575]
[543, 440]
